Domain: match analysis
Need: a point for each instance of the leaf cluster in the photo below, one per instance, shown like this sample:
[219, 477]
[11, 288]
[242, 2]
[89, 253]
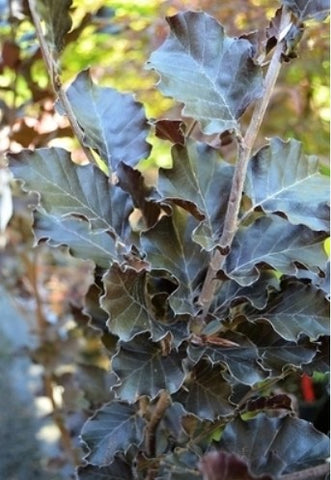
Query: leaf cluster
[184, 382]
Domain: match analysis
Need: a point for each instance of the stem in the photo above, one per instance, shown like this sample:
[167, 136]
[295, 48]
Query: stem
[32, 273]
[54, 74]
[14, 83]
[245, 146]
[58, 420]
[308, 473]
[158, 412]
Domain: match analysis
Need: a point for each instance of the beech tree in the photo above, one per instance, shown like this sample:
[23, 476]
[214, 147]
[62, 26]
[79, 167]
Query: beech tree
[210, 286]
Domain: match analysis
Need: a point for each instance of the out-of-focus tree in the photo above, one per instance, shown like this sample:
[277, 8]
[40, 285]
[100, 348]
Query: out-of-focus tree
[116, 38]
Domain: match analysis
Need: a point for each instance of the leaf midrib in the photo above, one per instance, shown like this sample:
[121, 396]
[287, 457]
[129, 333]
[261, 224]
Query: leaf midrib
[203, 73]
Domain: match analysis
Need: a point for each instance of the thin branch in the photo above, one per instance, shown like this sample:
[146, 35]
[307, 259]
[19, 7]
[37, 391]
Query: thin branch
[54, 74]
[245, 147]
[12, 116]
[308, 473]
[158, 412]
[57, 416]
[32, 270]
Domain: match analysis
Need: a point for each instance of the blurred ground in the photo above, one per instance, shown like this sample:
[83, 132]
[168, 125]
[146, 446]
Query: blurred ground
[24, 448]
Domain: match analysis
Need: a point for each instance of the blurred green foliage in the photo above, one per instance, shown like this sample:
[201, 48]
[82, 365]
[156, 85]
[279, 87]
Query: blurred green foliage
[300, 107]
[115, 38]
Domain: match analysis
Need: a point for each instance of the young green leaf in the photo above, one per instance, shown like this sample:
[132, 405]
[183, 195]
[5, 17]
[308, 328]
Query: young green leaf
[198, 64]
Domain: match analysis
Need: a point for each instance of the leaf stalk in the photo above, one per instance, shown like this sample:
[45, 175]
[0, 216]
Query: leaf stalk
[157, 415]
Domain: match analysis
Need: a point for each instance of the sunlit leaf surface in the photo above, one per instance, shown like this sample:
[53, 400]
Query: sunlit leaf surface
[55, 14]
[308, 9]
[64, 187]
[95, 245]
[207, 62]
[114, 123]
